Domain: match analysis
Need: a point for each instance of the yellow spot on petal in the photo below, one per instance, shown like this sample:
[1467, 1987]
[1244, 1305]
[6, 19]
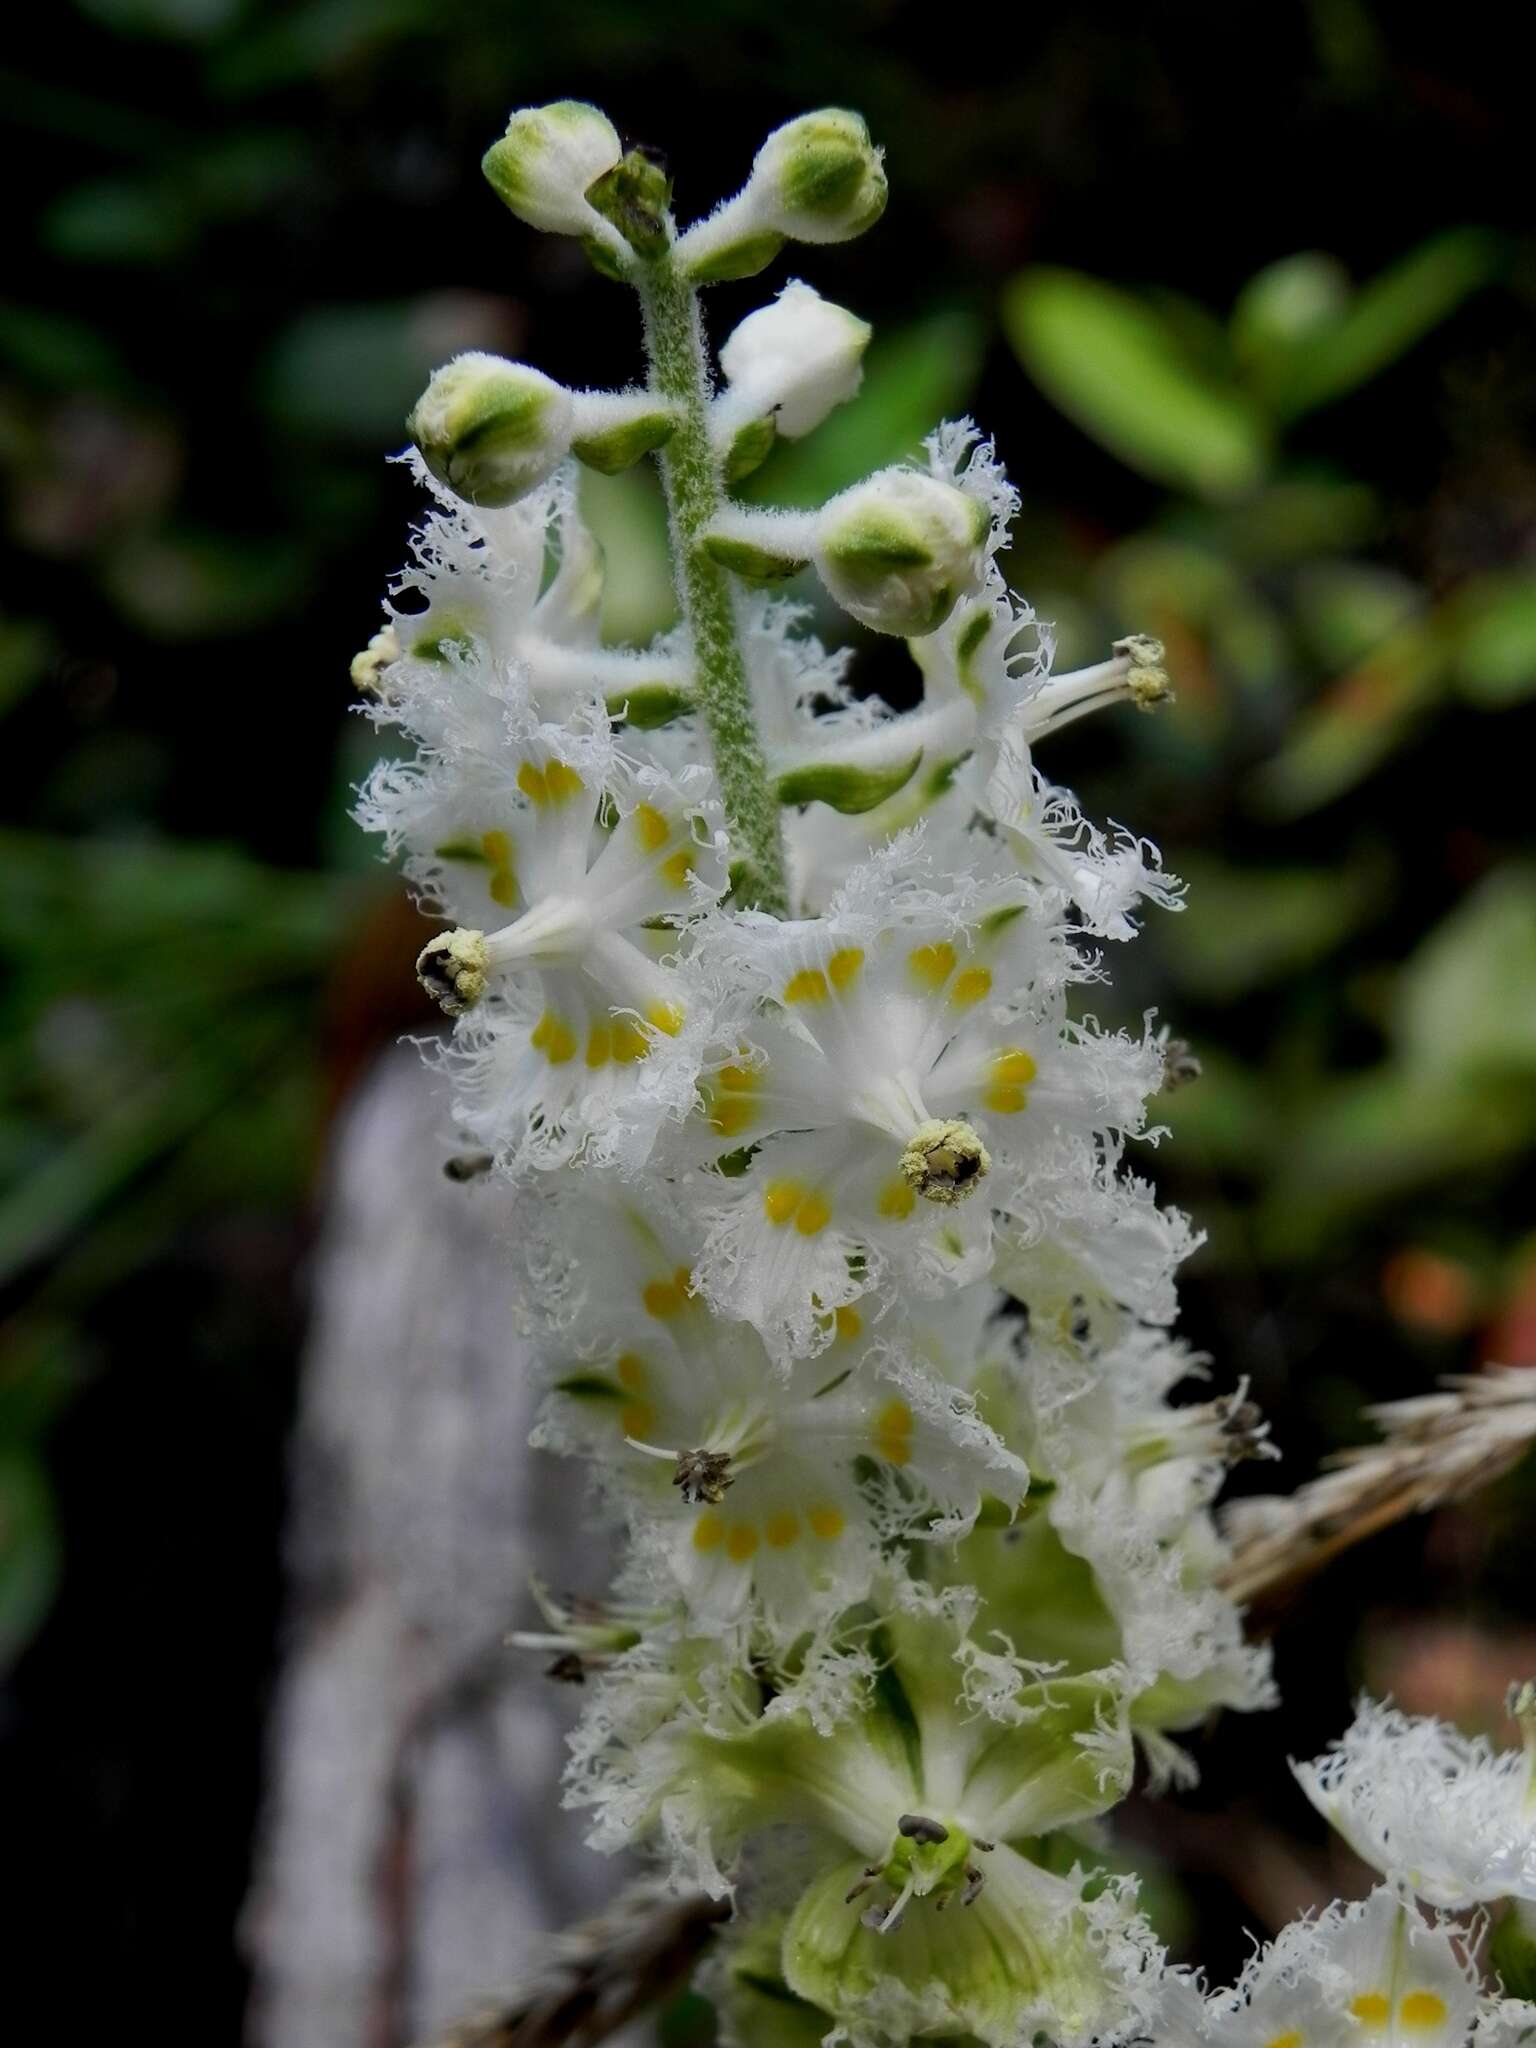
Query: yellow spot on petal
[630, 1372]
[970, 986]
[497, 848]
[808, 986]
[740, 1542]
[781, 1198]
[740, 1079]
[896, 1200]
[849, 1322]
[663, 1298]
[530, 780]
[708, 1530]
[781, 1529]
[561, 782]
[1294, 2039]
[1011, 1070]
[893, 1433]
[553, 1037]
[665, 1017]
[932, 965]
[1373, 2008]
[843, 967]
[1422, 2009]
[814, 1215]
[599, 1046]
[651, 828]
[826, 1522]
[637, 1419]
[677, 867]
[629, 1041]
[733, 1116]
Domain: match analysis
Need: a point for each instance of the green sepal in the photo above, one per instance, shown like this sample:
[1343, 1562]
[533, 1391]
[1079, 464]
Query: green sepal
[1512, 1952]
[635, 196]
[463, 849]
[749, 448]
[619, 447]
[751, 563]
[648, 705]
[847, 789]
[753, 253]
[604, 259]
[590, 1386]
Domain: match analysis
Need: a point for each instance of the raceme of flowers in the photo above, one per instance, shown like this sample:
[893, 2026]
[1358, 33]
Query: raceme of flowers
[773, 1022]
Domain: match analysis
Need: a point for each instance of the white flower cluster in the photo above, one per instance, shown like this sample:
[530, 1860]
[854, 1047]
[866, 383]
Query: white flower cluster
[768, 1005]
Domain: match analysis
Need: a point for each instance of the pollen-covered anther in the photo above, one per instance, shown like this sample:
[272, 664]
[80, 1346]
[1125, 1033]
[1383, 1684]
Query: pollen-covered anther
[1244, 1432]
[1181, 1064]
[452, 969]
[1147, 678]
[468, 1165]
[567, 1669]
[703, 1476]
[369, 666]
[944, 1160]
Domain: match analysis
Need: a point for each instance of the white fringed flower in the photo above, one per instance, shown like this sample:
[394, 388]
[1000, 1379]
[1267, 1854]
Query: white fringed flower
[1371, 1972]
[1443, 1813]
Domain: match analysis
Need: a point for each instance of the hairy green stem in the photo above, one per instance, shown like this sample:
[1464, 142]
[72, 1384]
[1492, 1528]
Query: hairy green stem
[674, 340]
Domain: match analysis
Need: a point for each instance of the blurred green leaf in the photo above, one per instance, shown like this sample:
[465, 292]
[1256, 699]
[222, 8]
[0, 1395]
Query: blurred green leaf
[1127, 378]
[1466, 1001]
[1282, 309]
[1355, 725]
[184, 586]
[29, 1550]
[25, 645]
[57, 353]
[1494, 627]
[119, 220]
[1386, 317]
[1348, 608]
[912, 379]
[1246, 927]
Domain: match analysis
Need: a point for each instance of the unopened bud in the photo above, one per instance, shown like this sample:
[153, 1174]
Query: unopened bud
[901, 549]
[819, 179]
[492, 430]
[451, 968]
[795, 359]
[548, 157]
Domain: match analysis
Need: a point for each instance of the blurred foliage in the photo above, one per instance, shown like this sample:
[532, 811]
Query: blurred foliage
[256, 225]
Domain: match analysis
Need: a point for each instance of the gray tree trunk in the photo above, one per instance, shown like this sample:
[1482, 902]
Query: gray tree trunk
[413, 1845]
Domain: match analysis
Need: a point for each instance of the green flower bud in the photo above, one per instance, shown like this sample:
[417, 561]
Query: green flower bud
[795, 359]
[492, 430]
[542, 166]
[819, 179]
[899, 550]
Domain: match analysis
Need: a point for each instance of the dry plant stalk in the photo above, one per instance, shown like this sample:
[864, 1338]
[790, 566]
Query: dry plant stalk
[1437, 1448]
[599, 1975]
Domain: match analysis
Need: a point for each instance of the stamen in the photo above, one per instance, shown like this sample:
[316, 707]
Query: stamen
[703, 1476]
[944, 1160]
[917, 1827]
[468, 1165]
[452, 968]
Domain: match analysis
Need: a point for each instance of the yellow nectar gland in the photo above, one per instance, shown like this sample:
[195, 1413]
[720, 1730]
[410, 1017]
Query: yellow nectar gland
[554, 783]
[1293, 2039]
[637, 1419]
[781, 1529]
[897, 1200]
[784, 1200]
[931, 966]
[709, 1530]
[741, 1541]
[677, 867]
[849, 1323]
[651, 828]
[553, 1037]
[808, 986]
[1372, 2008]
[732, 1109]
[497, 848]
[971, 985]
[629, 1371]
[826, 1522]
[1012, 1070]
[664, 1298]
[665, 1017]
[599, 1045]
[1422, 2009]
[629, 1041]
[843, 967]
[893, 1433]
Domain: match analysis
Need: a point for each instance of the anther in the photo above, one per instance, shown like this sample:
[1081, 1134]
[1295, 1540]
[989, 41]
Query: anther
[1147, 679]
[975, 1879]
[944, 1160]
[703, 1476]
[1180, 1064]
[568, 1669]
[451, 968]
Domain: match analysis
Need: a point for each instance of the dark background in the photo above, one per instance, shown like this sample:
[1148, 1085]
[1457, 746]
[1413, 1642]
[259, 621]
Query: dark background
[240, 236]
